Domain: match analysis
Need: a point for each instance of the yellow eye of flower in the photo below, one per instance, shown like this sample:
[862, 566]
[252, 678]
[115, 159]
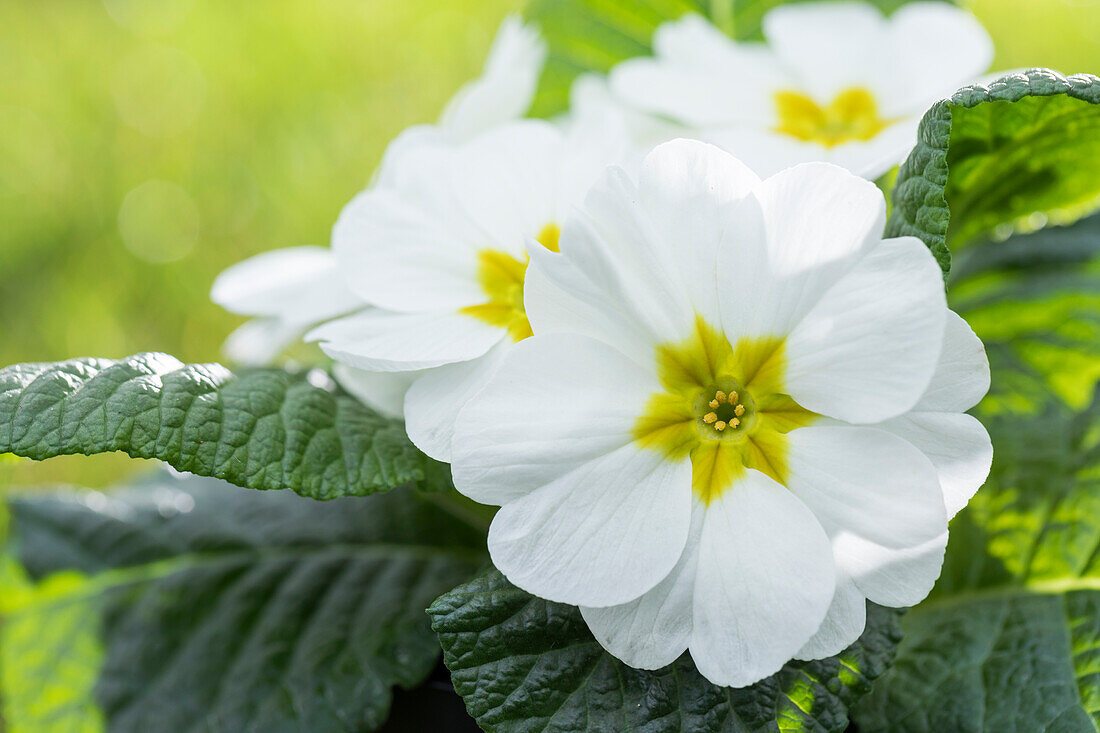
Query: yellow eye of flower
[724, 406]
[501, 277]
[852, 115]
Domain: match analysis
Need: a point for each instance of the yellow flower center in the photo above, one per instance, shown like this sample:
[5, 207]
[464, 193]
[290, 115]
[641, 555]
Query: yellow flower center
[724, 406]
[501, 277]
[852, 115]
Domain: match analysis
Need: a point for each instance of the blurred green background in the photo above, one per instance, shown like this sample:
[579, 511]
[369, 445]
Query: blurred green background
[146, 145]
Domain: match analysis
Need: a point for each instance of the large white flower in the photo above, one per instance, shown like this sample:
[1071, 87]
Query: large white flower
[739, 416]
[836, 81]
[441, 253]
[287, 291]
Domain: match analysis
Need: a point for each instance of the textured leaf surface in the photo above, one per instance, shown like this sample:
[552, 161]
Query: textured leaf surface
[187, 604]
[525, 664]
[594, 35]
[1010, 639]
[261, 430]
[1014, 153]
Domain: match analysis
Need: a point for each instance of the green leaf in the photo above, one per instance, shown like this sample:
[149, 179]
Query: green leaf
[525, 664]
[185, 604]
[1010, 638]
[262, 430]
[1012, 154]
[594, 35]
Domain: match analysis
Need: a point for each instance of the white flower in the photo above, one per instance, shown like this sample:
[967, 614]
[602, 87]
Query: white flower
[441, 253]
[740, 415]
[835, 82]
[289, 290]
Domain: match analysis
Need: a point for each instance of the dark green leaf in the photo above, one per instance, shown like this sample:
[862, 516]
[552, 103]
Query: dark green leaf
[1010, 639]
[594, 35]
[1014, 153]
[186, 604]
[262, 430]
[525, 664]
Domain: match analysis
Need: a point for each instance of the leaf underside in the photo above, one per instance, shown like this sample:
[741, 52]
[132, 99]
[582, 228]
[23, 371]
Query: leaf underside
[187, 604]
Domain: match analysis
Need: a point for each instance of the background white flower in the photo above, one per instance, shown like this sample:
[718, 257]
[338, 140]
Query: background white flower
[835, 81]
[287, 291]
[441, 254]
[720, 402]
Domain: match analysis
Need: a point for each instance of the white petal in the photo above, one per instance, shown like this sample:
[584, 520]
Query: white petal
[843, 624]
[655, 629]
[507, 85]
[381, 391]
[867, 350]
[866, 481]
[303, 285]
[434, 401]
[762, 149]
[600, 535]
[872, 158]
[961, 378]
[384, 341]
[958, 446]
[556, 402]
[408, 253]
[259, 341]
[687, 187]
[887, 576]
[789, 242]
[831, 46]
[764, 582]
[942, 48]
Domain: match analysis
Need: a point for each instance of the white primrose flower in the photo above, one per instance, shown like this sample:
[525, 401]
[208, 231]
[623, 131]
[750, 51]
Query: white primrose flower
[287, 291]
[835, 81]
[740, 416]
[441, 253]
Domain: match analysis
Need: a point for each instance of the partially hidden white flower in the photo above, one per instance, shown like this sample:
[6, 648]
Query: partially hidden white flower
[835, 81]
[739, 417]
[441, 254]
[287, 291]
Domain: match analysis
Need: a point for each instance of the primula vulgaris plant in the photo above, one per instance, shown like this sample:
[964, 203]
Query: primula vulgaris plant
[719, 395]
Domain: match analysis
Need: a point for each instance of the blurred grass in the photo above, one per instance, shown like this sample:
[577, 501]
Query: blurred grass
[145, 145]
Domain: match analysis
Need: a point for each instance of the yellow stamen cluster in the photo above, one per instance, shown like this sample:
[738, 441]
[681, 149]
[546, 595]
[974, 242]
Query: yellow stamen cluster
[721, 398]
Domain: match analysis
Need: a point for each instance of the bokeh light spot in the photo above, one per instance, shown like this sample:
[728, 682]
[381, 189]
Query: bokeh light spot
[159, 222]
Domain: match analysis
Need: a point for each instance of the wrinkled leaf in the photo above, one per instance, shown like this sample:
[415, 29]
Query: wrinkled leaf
[1014, 153]
[525, 664]
[264, 429]
[188, 604]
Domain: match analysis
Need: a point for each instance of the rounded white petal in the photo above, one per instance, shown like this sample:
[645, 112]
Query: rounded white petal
[601, 535]
[259, 341]
[867, 349]
[303, 285]
[507, 85]
[872, 158]
[381, 391]
[942, 48]
[687, 187]
[961, 378]
[830, 46]
[868, 482]
[403, 252]
[888, 576]
[843, 624]
[764, 582]
[958, 446]
[762, 149]
[790, 241]
[555, 402]
[384, 341]
[433, 401]
[655, 629]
